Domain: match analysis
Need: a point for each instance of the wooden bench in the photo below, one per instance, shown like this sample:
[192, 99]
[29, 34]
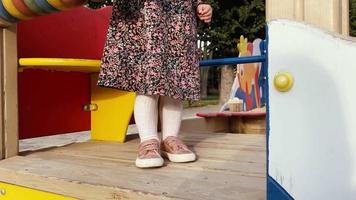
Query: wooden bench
[238, 122]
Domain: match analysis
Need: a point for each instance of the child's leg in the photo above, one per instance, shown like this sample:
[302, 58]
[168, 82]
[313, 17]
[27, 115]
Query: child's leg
[146, 116]
[171, 116]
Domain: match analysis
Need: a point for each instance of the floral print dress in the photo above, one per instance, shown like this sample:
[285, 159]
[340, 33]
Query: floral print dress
[151, 48]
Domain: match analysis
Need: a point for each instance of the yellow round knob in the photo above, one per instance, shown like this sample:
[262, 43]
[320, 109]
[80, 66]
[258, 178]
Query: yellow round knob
[283, 81]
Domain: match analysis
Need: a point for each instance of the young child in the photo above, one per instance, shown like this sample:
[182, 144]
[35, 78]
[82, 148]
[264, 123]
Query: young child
[151, 49]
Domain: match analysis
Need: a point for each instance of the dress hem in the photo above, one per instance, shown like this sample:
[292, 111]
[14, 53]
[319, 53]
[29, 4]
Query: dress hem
[149, 93]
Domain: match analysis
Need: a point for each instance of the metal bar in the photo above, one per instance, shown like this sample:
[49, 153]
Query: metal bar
[232, 61]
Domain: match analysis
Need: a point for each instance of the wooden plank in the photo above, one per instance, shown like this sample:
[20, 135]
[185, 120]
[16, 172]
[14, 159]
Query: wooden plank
[299, 8]
[10, 109]
[276, 9]
[11, 192]
[325, 14]
[80, 190]
[345, 18]
[250, 160]
[2, 145]
[239, 148]
[247, 165]
[332, 15]
[248, 125]
[205, 125]
[97, 170]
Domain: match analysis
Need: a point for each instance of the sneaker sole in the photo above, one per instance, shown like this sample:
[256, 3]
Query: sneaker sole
[180, 158]
[149, 163]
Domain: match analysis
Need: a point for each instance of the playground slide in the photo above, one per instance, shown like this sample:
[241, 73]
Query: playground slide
[312, 138]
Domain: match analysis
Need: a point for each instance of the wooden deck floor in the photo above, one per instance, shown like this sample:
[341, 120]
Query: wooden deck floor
[230, 167]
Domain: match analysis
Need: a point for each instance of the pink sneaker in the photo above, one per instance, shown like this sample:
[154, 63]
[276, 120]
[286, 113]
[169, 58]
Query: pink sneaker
[176, 151]
[149, 154]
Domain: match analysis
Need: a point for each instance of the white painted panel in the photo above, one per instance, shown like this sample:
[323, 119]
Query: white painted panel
[313, 127]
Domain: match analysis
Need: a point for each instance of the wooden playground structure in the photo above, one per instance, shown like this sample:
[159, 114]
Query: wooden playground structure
[230, 166]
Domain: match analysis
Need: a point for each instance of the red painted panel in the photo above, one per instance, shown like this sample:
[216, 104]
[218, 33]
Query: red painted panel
[78, 33]
[51, 102]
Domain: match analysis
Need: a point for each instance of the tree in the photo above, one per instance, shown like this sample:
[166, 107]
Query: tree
[231, 20]
[95, 4]
[353, 18]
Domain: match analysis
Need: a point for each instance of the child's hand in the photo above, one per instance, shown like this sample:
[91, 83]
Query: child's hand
[205, 12]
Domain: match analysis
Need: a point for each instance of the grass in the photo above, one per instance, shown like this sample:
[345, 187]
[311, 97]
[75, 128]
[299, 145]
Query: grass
[210, 100]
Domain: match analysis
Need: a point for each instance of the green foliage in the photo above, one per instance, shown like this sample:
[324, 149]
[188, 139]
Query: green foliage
[353, 18]
[96, 5]
[232, 19]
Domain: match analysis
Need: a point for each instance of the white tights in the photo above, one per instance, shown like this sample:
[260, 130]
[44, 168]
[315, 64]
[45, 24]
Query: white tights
[146, 116]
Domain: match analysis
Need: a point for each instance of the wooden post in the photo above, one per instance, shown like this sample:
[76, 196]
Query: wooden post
[2, 145]
[8, 97]
[345, 17]
[332, 15]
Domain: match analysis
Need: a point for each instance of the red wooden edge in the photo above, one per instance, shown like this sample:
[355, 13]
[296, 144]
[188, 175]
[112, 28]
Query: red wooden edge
[232, 114]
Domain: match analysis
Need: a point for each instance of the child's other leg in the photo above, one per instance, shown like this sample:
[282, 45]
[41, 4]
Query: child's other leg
[171, 117]
[146, 118]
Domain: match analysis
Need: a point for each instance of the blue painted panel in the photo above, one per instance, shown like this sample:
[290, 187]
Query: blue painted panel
[231, 61]
[275, 191]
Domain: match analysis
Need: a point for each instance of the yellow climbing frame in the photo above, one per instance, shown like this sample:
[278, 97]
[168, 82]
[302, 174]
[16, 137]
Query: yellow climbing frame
[60, 64]
[111, 109]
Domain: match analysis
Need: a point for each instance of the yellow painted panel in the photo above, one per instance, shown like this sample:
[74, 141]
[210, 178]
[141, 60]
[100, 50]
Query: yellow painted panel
[114, 109]
[60, 64]
[14, 192]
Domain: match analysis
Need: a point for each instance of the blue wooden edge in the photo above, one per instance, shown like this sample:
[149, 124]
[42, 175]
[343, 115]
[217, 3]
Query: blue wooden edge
[275, 191]
[231, 61]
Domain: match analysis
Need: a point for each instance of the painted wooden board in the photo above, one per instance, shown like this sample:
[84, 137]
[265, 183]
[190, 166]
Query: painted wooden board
[232, 114]
[230, 166]
[11, 192]
[77, 33]
[113, 114]
[312, 140]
